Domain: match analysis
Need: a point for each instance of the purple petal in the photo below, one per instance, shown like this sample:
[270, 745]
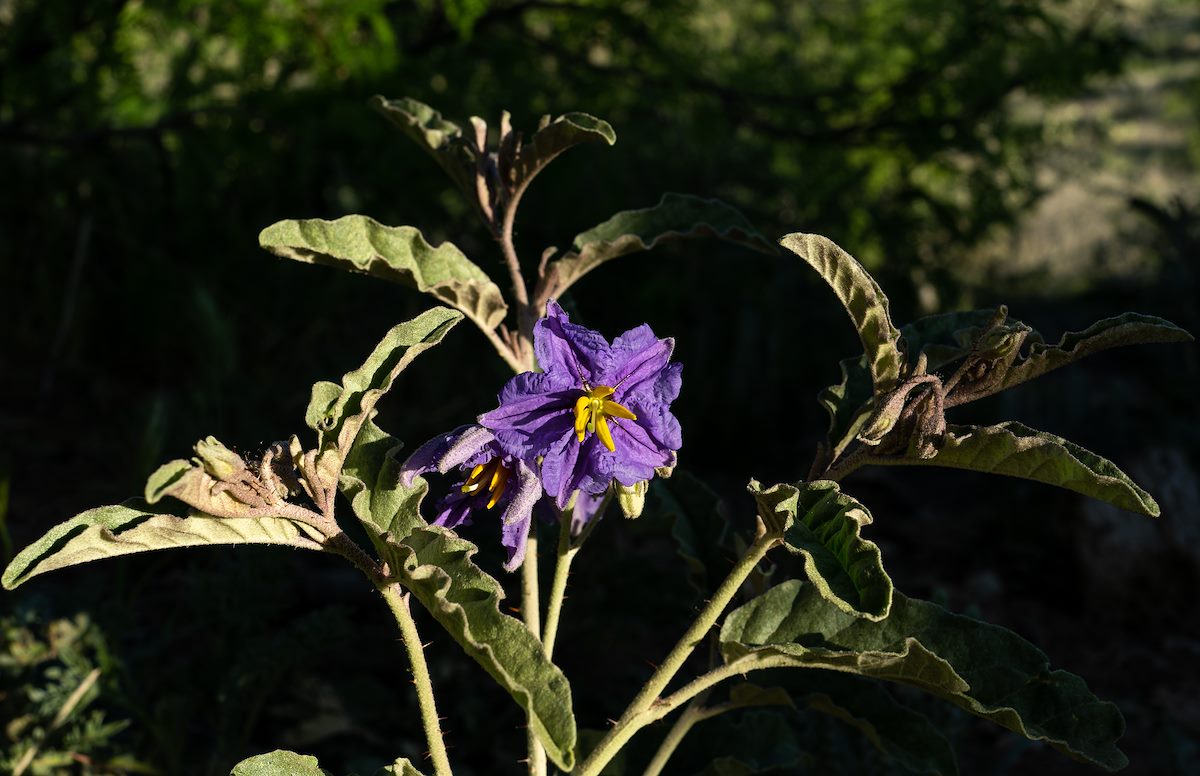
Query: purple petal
[514, 530]
[586, 507]
[566, 348]
[638, 357]
[569, 466]
[475, 446]
[454, 510]
[425, 458]
[659, 422]
[637, 454]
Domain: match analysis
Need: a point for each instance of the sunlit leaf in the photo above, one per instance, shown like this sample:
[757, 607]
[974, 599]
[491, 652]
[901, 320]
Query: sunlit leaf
[555, 137]
[862, 298]
[279, 763]
[107, 532]
[435, 564]
[987, 670]
[823, 525]
[442, 139]
[1016, 450]
[676, 216]
[396, 253]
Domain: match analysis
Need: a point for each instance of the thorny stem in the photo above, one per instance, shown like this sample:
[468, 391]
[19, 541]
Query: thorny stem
[399, 604]
[532, 615]
[695, 712]
[645, 707]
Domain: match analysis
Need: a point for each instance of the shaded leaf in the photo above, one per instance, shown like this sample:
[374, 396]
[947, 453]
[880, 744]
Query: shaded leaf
[396, 253]
[435, 564]
[987, 670]
[849, 403]
[402, 767]
[943, 338]
[749, 743]
[1127, 329]
[700, 527]
[903, 735]
[279, 763]
[676, 216]
[1016, 450]
[824, 526]
[862, 298]
[442, 139]
[124, 529]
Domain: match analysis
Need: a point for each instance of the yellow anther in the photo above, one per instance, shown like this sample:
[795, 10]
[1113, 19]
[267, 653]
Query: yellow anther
[592, 411]
[491, 476]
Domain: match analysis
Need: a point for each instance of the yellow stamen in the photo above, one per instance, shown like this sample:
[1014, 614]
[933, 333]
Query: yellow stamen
[592, 411]
[604, 434]
[498, 489]
[492, 477]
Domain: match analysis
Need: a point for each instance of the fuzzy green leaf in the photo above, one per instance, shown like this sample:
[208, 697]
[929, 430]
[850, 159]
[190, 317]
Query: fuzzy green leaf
[442, 139]
[849, 403]
[435, 564]
[338, 413]
[396, 253]
[402, 767]
[124, 529]
[700, 527]
[676, 216]
[279, 763]
[903, 735]
[1127, 329]
[985, 669]
[863, 299]
[1016, 450]
[557, 136]
[824, 525]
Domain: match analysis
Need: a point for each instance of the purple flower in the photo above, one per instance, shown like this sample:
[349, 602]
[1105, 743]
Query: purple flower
[488, 485]
[596, 412]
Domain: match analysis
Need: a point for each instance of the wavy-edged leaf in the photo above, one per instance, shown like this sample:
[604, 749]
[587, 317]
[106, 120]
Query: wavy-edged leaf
[279, 763]
[899, 733]
[402, 767]
[397, 253]
[557, 136]
[700, 527]
[849, 403]
[338, 413]
[1016, 450]
[124, 529]
[676, 216]
[435, 564]
[985, 669]
[442, 139]
[824, 525]
[1127, 329]
[863, 299]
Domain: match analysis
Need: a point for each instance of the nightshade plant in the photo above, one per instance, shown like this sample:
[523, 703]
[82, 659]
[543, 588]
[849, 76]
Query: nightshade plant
[586, 423]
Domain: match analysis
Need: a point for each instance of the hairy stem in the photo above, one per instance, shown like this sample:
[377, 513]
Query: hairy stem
[691, 715]
[636, 716]
[532, 615]
[398, 602]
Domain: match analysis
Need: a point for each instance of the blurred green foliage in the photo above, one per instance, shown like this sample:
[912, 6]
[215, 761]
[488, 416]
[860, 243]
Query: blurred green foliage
[144, 144]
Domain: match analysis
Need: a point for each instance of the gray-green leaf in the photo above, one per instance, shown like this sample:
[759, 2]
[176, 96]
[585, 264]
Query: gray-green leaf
[1016, 450]
[863, 299]
[557, 136]
[442, 139]
[396, 253]
[676, 216]
[824, 525]
[124, 529]
[987, 670]
[435, 564]
[849, 403]
[279, 763]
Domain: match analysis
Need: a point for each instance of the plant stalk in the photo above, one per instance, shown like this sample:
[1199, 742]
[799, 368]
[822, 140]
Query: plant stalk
[635, 716]
[399, 604]
[532, 615]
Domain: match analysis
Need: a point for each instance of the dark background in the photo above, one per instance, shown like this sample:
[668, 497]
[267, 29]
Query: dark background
[1042, 154]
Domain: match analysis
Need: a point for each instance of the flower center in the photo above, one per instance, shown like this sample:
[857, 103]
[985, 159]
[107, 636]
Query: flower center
[491, 477]
[592, 411]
